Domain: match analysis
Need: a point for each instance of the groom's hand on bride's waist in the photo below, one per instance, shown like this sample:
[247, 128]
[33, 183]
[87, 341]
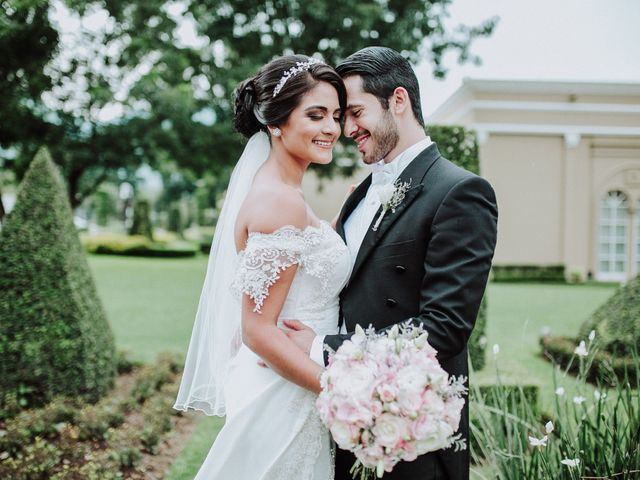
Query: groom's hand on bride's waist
[299, 334]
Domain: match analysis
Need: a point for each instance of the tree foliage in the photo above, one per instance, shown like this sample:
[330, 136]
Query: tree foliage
[130, 88]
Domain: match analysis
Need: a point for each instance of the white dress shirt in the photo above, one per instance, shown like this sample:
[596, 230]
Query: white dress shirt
[359, 222]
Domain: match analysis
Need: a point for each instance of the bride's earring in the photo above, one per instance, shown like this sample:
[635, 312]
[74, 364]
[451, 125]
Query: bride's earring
[276, 132]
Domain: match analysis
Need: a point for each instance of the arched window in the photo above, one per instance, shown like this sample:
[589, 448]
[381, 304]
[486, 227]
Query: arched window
[613, 236]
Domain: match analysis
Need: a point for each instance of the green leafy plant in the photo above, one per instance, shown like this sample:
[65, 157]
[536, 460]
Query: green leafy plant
[587, 434]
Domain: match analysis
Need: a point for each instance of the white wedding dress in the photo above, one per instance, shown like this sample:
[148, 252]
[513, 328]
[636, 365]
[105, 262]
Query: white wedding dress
[272, 430]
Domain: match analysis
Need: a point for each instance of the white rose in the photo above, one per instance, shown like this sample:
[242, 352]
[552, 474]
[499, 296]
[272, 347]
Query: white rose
[356, 382]
[389, 430]
[410, 402]
[433, 403]
[436, 437]
[411, 380]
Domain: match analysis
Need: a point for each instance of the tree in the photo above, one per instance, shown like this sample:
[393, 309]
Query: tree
[54, 335]
[174, 99]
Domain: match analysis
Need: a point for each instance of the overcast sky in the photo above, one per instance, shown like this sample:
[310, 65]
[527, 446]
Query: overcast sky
[586, 40]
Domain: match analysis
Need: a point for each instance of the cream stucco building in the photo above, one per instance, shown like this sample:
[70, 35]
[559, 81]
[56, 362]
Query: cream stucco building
[564, 159]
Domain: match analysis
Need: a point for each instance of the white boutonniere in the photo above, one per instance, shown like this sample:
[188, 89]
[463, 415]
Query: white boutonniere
[391, 196]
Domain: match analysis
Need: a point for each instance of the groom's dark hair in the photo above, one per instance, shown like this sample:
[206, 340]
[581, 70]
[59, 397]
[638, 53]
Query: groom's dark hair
[383, 70]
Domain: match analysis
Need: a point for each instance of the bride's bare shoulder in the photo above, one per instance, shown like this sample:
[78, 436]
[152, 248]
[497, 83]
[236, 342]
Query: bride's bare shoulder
[270, 208]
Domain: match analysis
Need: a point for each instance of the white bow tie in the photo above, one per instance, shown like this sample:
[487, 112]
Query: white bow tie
[383, 173]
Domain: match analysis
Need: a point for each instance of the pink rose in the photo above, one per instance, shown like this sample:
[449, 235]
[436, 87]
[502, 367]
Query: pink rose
[409, 451]
[345, 436]
[352, 412]
[370, 456]
[387, 392]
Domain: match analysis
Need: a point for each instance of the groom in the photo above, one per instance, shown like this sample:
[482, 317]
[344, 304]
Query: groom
[429, 260]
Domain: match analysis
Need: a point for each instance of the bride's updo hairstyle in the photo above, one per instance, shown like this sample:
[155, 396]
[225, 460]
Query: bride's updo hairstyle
[256, 106]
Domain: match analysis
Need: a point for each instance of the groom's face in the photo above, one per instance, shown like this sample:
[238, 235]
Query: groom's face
[371, 126]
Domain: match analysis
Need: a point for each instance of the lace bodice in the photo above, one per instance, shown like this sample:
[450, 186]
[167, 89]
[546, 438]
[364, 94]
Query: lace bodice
[323, 269]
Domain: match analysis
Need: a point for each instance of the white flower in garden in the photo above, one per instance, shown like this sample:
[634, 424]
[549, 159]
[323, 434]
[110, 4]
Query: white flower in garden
[599, 395]
[496, 349]
[592, 335]
[548, 427]
[578, 399]
[581, 349]
[482, 341]
[560, 391]
[538, 442]
[570, 462]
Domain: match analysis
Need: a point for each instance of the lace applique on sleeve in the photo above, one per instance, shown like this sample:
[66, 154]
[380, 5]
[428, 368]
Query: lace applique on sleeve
[264, 258]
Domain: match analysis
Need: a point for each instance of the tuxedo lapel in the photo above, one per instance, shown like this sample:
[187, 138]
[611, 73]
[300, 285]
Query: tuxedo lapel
[350, 204]
[414, 174]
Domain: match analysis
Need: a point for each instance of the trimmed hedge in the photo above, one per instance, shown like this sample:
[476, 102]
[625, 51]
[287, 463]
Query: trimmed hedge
[605, 367]
[528, 273]
[136, 245]
[617, 321]
[54, 335]
[460, 146]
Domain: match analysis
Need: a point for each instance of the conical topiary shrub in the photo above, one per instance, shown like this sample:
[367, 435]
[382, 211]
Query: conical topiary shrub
[617, 321]
[54, 335]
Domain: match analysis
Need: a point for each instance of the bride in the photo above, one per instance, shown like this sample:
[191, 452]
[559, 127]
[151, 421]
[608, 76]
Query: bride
[271, 259]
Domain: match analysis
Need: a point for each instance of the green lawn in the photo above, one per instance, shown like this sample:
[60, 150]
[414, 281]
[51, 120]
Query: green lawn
[151, 304]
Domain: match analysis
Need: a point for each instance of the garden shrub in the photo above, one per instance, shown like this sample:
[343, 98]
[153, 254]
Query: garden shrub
[72, 440]
[617, 321]
[528, 273]
[137, 245]
[460, 146]
[54, 335]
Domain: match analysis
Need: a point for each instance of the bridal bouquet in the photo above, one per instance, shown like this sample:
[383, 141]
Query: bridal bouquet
[386, 398]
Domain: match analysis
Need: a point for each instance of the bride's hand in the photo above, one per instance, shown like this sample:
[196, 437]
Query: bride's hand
[301, 335]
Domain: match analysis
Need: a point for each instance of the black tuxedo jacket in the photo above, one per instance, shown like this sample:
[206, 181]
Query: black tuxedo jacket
[428, 262]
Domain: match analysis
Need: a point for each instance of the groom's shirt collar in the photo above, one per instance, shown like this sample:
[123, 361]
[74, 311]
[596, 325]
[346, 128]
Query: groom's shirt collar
[383, 173]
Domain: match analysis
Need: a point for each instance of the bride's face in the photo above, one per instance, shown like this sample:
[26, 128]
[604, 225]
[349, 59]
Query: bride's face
[313, 127]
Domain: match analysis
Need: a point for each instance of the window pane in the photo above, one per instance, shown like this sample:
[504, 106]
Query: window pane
[613, 233]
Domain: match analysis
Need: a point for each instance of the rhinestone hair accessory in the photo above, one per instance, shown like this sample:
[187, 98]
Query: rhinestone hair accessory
[293, 71]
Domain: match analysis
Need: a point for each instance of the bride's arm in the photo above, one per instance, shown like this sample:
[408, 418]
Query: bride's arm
[262, 336]
[259, 329]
